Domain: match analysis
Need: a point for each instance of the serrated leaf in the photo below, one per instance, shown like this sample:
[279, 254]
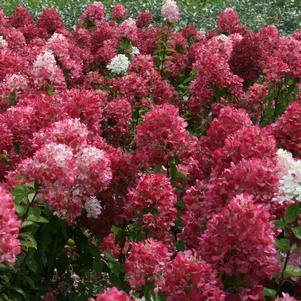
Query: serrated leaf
[283, 244]
[297, 231]
[292, 271]
[291, 213]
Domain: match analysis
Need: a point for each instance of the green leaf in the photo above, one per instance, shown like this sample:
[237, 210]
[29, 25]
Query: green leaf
[31, 196]
[283, 244]
[98, 266]
[20, 209]
[268, 292]
[31, 263]
[292, 271]
[28, 241]
[297, 231]
[291, 213]
[279, 224]
[26, 224]
[38, 219]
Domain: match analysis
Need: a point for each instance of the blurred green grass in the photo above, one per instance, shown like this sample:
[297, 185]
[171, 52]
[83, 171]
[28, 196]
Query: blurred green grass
[285, 14]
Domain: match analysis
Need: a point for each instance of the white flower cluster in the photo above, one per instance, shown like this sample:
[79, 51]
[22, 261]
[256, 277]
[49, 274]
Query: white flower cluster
[3, 43]
[135, 51]
[93, 207]
[290, 177]
[119, 64]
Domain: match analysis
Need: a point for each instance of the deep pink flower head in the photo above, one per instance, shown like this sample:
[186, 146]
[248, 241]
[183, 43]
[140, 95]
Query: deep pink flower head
[248, 142]
[228, 22]
[21, 17]
[51, 21]
[254, 101]
[144, 19]
[6, 138]
[86, 105]
[112, 294]
[246, 58]
[146, 263]
[9, 228]
[163, 135]
[255, 176]
[237, 251]
[119, 12]
[213, 74]
[227, 123]
[285, 60]
[195, 215]
[287, 129]
[188, 278]
[117, 120]
[153, 193]
[94, 12]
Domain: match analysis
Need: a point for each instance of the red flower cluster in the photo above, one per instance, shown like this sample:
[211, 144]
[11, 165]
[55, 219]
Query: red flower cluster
[237, 252]
[158, 130]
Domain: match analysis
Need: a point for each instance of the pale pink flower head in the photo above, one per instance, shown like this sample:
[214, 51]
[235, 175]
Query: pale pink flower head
[170, 11]
[94, 169]
[286, 297]
[15, 83]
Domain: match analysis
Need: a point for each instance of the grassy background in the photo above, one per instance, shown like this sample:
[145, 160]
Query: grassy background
[286, 14]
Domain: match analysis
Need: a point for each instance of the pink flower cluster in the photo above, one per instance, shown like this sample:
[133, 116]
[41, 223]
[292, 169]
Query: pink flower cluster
[112, 294]
[168, 133]
[146, 262]
[9, 243]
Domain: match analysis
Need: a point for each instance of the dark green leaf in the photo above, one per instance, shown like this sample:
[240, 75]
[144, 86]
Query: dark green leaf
[291, 213]
[268, 292]
[297, 231]
[28, 241]
[283, 244]
[279, 224]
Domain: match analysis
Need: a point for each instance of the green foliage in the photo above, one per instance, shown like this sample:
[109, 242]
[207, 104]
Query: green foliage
[203, 13]
[55, 256]
[279, 97]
